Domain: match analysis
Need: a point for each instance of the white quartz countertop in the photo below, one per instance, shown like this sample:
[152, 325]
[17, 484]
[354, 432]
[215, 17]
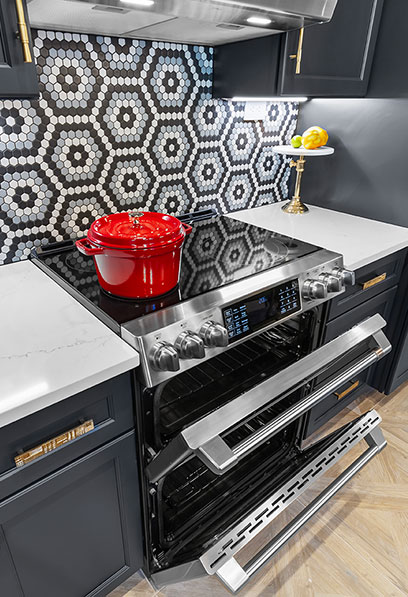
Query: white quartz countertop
[51, 346]
[360, 240]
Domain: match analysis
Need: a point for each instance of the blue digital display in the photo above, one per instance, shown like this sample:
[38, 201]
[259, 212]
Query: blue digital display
[248, 316]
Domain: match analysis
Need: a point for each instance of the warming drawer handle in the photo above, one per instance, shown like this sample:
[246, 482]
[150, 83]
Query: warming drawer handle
[54, 443]
[219, 457]
[234, 576]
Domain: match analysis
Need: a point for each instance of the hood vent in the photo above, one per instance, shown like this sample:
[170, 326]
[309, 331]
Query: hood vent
[206, 22]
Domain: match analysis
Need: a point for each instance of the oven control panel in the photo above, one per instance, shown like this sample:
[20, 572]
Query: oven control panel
[179, 337]
[249, 315]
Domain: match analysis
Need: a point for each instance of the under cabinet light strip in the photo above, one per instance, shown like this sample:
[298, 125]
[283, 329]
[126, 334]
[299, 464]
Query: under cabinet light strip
[139, 2]
[266, 99]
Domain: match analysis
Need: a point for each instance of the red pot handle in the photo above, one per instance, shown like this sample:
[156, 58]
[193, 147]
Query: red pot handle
[187, 228]
[84, 246]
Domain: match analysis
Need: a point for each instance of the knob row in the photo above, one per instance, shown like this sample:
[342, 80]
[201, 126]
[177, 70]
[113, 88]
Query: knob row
[188, 345]
[333, 281]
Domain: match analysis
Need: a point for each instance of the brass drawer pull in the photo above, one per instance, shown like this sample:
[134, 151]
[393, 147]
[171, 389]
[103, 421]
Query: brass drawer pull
[353, 386]
[374, 281]
[298, 55]
[23, 32]
[53, 444]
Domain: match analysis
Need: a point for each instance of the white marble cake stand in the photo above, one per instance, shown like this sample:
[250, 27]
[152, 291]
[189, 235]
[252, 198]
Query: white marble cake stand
[295, 206]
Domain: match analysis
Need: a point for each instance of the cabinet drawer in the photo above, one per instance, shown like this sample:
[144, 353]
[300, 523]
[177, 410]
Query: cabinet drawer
[382, 274]
[382, 304]
[76, 533]
[109, 405]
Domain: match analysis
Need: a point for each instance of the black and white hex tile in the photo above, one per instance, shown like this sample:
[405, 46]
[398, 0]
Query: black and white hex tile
[123, 124]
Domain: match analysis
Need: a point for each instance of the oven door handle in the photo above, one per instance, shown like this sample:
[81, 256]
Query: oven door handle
[219, 457]
[234, 576]
[204, 436]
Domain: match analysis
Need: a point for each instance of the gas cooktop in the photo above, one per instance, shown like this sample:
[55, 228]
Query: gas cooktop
[219, 251]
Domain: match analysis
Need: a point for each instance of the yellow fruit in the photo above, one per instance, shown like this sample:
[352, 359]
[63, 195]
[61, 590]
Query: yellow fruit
[314, 137]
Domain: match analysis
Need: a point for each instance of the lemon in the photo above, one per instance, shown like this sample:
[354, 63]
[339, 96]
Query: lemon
[296, 141]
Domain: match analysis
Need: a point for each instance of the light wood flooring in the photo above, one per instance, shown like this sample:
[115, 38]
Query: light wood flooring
[357, 545]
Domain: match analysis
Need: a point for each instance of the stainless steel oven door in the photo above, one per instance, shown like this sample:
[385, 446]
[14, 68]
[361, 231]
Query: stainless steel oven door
[204, 437]
[219, 558]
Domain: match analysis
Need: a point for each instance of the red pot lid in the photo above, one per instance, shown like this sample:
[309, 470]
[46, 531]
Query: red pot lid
[135, 230]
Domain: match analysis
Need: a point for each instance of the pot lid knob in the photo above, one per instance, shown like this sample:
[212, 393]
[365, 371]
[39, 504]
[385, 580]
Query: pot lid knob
[134, 216]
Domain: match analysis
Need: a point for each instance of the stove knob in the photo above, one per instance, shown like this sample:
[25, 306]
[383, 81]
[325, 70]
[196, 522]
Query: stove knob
[347, 276]
[213, 334]
[190, 345]
[165, 357]
[334, 283]
[314, 289]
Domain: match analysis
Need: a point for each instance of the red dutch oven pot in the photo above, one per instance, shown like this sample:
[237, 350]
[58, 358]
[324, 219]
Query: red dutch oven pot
[136, 254]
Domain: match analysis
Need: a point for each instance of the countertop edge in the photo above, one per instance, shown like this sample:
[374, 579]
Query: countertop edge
[39, 403]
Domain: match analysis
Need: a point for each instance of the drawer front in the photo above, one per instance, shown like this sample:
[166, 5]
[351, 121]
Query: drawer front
[109, 405]
[381, 303]
[335, 403]
[371, 280]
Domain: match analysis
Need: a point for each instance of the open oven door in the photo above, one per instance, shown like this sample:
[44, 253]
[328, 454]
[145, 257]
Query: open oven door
[349, 354]
[220, 557]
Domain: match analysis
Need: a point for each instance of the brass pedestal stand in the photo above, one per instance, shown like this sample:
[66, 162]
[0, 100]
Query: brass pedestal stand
[295, 206]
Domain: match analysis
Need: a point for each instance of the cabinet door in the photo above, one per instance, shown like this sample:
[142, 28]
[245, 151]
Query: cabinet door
[77, 532]
[337, 56]
[247, 68]
[18, 79]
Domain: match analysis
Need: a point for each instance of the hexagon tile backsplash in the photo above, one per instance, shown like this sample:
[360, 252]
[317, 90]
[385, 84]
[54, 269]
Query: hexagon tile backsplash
[123, 124]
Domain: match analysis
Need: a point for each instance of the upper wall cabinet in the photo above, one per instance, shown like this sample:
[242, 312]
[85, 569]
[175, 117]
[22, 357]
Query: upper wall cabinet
[18, 75]
[336, 58]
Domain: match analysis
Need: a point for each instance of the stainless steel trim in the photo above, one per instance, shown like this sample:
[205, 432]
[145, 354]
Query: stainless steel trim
[229, 415]
[203, 437]
[280, 422]
[235, 539]
[166, 324]
[208, 22]
[234, 576]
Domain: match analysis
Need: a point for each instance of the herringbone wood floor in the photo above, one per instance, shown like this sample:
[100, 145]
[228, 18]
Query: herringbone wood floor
[357, 545]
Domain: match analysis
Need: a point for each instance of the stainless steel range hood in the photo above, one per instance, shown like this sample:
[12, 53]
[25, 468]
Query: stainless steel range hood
[206, 22]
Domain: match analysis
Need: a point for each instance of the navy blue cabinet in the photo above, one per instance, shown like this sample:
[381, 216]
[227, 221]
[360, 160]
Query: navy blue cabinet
[77, 532]
[336, 58]
[380, 287]
[18, 77]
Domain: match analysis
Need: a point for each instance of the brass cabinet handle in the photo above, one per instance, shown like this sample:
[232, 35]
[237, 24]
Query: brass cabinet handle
[22, 27]
[53, 444]
[374, 281]
[298, 55]
[353, 386]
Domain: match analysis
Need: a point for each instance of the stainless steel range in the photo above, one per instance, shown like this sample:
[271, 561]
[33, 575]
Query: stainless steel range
[231, 361]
